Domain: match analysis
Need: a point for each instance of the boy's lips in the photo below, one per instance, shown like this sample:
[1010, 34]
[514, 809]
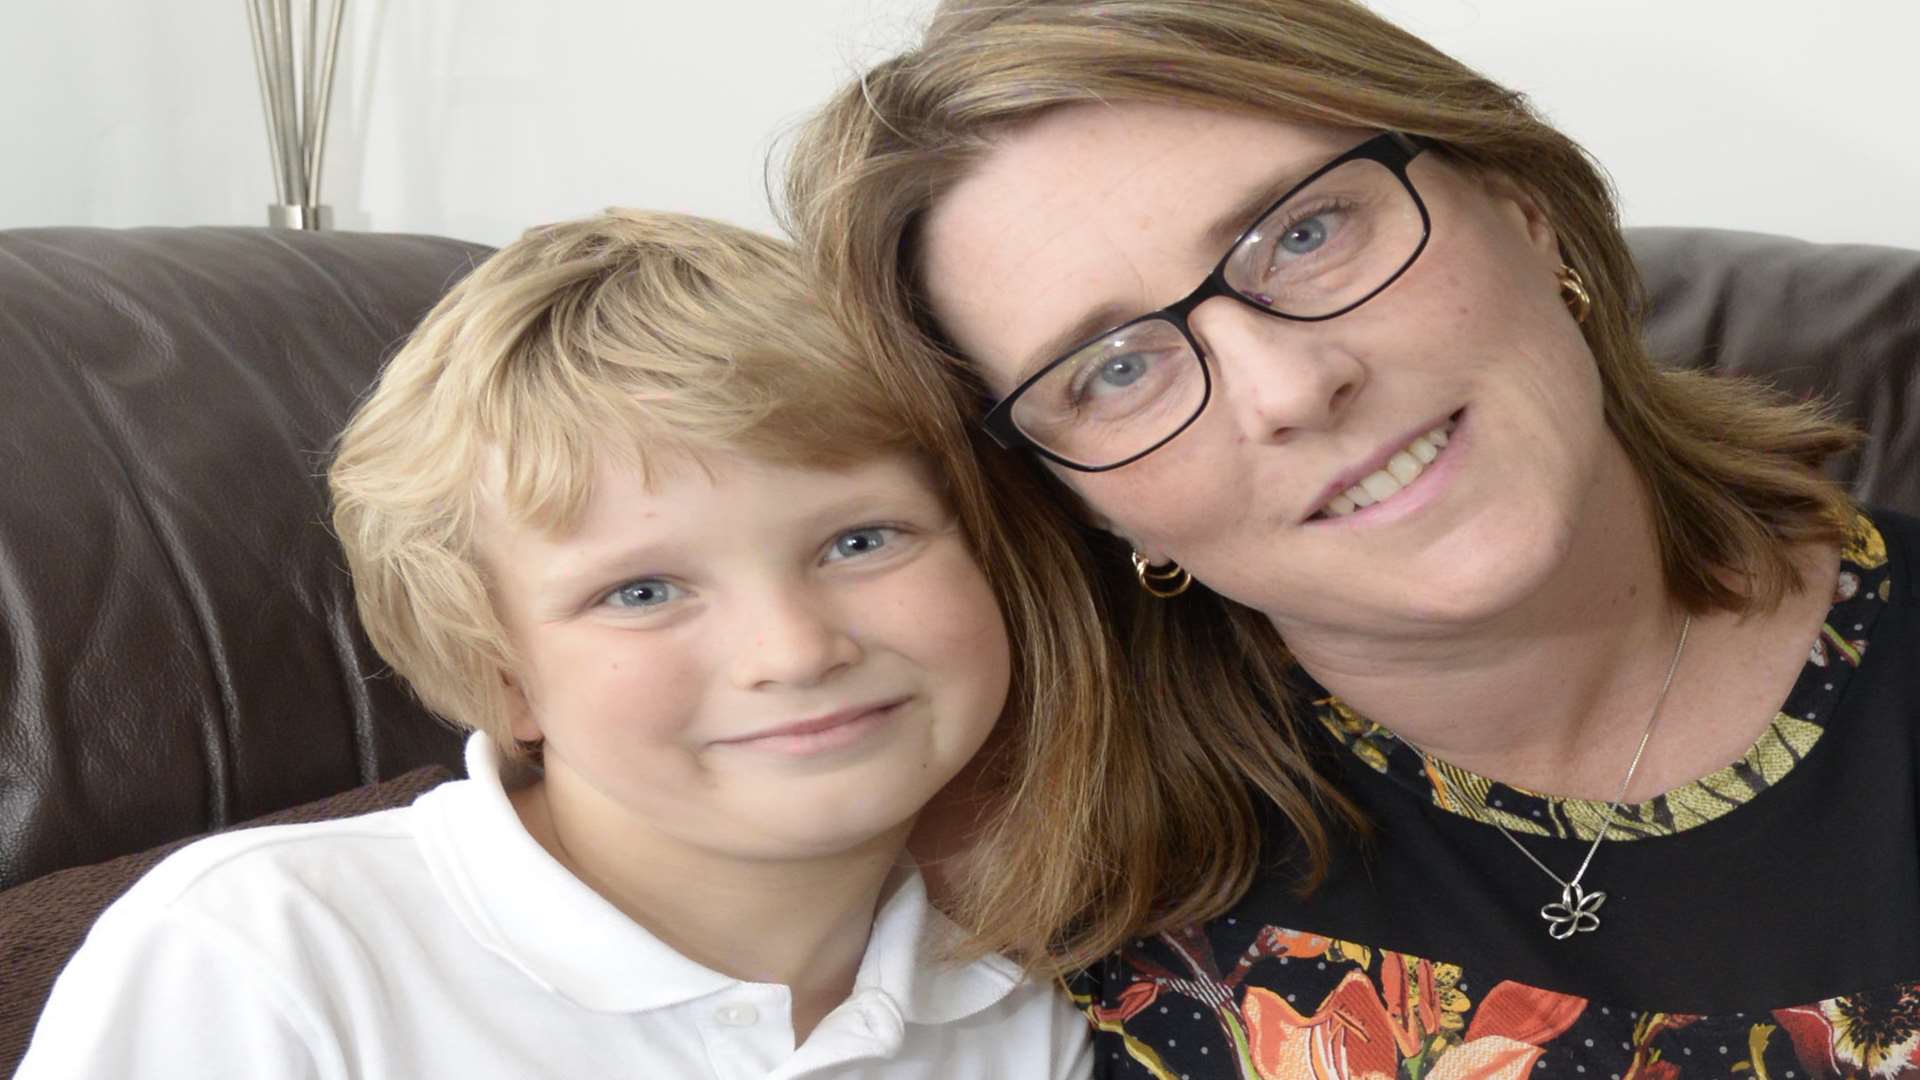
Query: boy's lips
[801, 730]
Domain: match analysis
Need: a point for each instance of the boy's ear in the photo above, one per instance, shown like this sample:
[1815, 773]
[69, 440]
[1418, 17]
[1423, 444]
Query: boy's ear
[521, 723]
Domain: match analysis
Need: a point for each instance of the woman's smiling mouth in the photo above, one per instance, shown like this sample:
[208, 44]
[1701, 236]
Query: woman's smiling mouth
[1387, 478]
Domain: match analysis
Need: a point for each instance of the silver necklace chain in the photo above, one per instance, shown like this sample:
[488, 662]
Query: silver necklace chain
[1576, 910]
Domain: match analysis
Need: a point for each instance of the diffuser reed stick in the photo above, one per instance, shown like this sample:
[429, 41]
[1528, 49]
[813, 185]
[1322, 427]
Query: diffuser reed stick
[296, 65]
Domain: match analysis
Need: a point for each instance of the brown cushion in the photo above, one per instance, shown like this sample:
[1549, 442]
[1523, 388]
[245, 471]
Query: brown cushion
[1841, 321]
[178, 644]
[44, 921]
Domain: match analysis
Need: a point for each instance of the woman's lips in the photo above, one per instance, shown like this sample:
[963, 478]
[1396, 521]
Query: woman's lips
[1391, 471]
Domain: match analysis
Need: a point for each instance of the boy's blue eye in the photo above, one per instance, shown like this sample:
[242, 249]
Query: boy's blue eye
[645, 593]
[860, 542]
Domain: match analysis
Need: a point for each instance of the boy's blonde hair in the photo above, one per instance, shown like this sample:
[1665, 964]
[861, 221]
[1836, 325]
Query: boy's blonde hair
[647, 335]
[655, 334]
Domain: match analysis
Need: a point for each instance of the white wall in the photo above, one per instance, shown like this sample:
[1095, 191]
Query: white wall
[1776, 115]
[471, 118]
[474, 118]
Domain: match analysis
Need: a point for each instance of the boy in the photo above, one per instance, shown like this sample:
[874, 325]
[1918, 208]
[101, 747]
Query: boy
[621, 508]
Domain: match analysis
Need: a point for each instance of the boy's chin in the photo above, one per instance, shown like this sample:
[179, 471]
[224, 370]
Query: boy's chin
[801, 835]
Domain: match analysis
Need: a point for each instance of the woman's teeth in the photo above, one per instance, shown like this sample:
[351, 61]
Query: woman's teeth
[1400, 471]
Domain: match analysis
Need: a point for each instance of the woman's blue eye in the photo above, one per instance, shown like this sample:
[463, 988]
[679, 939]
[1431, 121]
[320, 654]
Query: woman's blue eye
[859, 542]
[1123, 370]
[1109, 377]
[648, 592]
[1304, 237]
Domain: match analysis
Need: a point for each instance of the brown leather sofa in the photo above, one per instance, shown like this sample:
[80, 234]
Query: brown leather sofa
[178, 647]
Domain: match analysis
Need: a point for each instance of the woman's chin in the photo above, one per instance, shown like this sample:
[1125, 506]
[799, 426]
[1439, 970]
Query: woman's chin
[1479, 573]
[1470, 576]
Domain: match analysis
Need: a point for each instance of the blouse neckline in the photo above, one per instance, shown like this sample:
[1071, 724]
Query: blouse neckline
[1861, 590]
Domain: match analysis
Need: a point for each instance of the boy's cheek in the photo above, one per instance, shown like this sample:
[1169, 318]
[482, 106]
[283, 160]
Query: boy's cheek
[589, 681]
[958, 607]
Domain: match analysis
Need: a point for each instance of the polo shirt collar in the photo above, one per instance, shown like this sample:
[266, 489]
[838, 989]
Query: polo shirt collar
[519, 902]
[523, 905]
[903, 959]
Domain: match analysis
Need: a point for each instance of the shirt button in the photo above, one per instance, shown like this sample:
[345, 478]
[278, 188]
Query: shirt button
[737, 1015]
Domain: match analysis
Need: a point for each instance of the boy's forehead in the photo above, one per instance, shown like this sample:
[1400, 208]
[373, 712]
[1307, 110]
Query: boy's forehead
[526, 491]
[618, 469]
[678, 505]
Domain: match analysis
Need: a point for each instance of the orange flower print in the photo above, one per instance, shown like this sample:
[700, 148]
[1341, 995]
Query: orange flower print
[1489, 1058]
[1274, 941]
[1360, 1033]
[1134, 998]
[1423, 1000]
[1875, 1033]
[1348, 1038]
[1524, 1014]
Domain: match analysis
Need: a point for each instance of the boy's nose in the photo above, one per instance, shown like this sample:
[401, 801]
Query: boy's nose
[793, 641]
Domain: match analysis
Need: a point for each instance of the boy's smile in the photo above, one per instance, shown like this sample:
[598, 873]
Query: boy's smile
[750, 660]
[821, 734]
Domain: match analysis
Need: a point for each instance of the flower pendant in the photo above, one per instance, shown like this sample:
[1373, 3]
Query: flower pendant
[1573, 913]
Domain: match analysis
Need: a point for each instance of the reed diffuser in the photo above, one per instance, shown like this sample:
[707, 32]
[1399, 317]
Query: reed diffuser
[296, 67]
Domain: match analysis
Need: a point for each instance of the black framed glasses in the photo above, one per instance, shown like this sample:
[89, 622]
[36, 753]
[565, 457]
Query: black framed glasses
[1331, 243]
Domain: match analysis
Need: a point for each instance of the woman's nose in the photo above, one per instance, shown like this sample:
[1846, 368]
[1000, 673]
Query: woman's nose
[1275, 376]
[794, 638]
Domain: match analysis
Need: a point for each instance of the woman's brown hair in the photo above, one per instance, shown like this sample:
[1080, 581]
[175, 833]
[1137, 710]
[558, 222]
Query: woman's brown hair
[1172, 818]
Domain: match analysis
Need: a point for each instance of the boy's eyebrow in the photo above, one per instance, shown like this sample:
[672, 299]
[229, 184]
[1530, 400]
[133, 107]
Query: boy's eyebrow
[854, 509]
[877, 503]
[600, 567]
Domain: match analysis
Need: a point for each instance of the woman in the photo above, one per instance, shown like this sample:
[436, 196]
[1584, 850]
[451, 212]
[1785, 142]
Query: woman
[1508, 706]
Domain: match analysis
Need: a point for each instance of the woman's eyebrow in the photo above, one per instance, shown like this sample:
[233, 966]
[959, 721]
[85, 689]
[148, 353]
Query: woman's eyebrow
[1223, 230]
[1238, 218]
[1104, 317]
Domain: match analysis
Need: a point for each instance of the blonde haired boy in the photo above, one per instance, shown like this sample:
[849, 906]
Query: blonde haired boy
[622, 508]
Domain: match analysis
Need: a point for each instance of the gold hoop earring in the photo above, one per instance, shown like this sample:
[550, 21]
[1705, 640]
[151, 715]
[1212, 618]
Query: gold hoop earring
[1573, 291]
[1165, 581]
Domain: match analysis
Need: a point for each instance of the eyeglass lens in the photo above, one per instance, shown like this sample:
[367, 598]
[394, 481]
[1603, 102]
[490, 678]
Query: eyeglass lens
[1328, 247]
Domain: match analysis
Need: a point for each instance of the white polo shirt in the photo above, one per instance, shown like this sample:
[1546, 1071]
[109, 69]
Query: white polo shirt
[441, 940]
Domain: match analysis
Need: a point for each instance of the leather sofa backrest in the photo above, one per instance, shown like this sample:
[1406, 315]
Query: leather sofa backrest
[178, 644]
[1835, 320]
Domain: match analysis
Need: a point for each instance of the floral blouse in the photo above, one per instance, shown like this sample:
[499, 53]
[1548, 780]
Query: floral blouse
[1761, 923]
